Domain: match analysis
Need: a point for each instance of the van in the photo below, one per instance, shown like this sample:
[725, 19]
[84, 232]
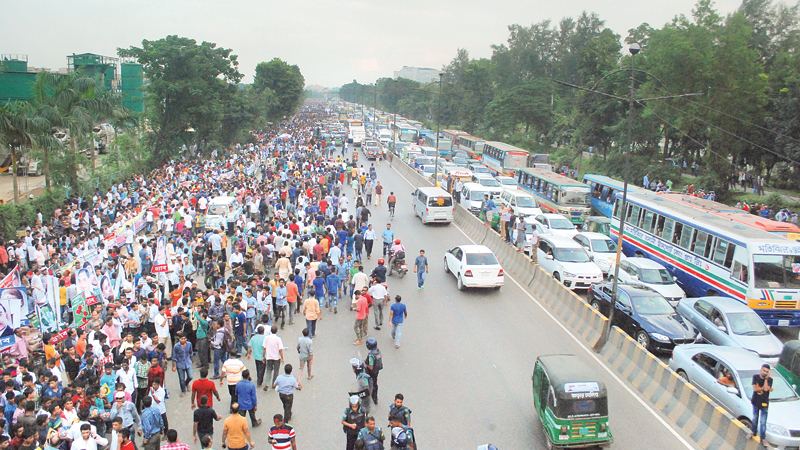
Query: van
[520, 202]
[479, 168]
[433, 204]
[472, 196]
[222, 212]
[488, 182]
[429, 151]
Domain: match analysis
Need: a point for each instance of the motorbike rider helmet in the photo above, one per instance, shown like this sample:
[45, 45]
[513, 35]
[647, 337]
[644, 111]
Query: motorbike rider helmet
[381, 261]
[372, 343]
[397, 241]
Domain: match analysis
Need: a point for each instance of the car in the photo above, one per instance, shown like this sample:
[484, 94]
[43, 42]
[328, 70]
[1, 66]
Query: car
[597, 224]
[461, 154]
[651, 274]
[460, 162]
[557, 224]
[479, 168]
[489, 183]
[507, 182]
[705, 365]
[566, 261]
[729, 322]
[600, 248]
[645, 315]
[530, 224]
[474, 266]
[426, 170]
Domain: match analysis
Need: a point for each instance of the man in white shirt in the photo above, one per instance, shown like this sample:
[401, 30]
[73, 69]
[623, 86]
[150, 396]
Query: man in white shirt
[380, 298]
[162, 328]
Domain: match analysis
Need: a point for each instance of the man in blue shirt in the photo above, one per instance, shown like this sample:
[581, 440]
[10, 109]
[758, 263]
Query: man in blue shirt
[388, 238]
[246, 392]
[152, 424]
[319, 287]
[332, 284]
[421, 268]
[397, 314]
[182, 360]
[281, 302]
[239, 328]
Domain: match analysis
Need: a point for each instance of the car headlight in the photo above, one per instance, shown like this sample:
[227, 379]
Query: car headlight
[568, 274]
[777, 429]
[659, 337]
[603, 263]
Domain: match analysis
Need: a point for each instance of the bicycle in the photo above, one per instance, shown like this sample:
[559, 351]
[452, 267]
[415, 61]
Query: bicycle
[391, 210]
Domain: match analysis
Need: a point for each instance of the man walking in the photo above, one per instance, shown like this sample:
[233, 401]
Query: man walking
[273, 354]
[380, 298]
[362, 309]
[152, 424]
[173, 443]
[256, 350]
[306, 353]
[182, 361]
[285, 384]
[232, 370]
[235, 433]
[282, 436]
[397, 315]
[246, 394]
[421, 268]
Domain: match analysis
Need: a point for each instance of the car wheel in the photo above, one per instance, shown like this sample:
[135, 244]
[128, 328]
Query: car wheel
[611, 278]
[556, 276]
[461, 286]
[746, 422]
[596, 305]
[643, 339]
[446, 269]
[496, 288]
[683, 375]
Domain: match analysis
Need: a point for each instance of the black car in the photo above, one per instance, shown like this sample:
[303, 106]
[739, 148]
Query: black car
[645, 315]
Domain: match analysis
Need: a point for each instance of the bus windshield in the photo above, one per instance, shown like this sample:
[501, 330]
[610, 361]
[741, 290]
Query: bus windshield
[571, 255]
[526, 202]
[777, 271]
[574, 195]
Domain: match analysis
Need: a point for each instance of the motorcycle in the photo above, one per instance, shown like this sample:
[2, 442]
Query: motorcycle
[399, 265]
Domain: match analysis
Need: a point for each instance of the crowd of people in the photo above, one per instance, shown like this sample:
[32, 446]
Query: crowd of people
[169, 287]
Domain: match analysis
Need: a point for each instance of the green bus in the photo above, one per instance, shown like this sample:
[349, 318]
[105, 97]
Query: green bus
[556, 193]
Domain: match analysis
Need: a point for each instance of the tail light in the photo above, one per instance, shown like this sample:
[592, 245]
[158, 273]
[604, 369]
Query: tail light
[468, 273]
[500, 273]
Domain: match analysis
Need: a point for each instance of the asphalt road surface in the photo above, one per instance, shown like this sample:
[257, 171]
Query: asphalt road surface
[464, 366]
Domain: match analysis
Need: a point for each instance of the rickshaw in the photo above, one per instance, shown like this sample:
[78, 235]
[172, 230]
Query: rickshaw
[571, 403]
[789, 363]
[597, 224]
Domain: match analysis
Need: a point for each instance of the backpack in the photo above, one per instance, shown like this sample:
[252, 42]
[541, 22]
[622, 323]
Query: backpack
[227, 342]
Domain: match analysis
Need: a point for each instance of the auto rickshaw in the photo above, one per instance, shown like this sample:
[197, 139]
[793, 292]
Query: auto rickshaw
[571, 403]
[597, 224]
[789, 363]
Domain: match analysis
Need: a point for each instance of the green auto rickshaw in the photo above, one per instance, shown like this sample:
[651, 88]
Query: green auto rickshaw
[789, 363]
[495, 220]
[598, 224]
[571, 403]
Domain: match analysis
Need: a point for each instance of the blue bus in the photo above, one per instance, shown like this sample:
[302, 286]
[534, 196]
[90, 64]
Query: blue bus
[604, 190]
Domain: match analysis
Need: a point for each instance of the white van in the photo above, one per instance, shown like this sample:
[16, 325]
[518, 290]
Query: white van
[522, 203]
[433, 204]
[222, 210]
[472, 196]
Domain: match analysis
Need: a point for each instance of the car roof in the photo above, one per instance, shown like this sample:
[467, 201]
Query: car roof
[552, 215]
[474, 186]
[740, 358]
[563, 369]
[632, 289]
[726, 304]
[561, 241]
[593, 235]
[476, 248]
[644, 263]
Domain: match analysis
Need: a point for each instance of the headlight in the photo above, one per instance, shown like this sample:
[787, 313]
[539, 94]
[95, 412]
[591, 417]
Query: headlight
[659, 337]
[603, 263]
[569, 275]
[777, 429]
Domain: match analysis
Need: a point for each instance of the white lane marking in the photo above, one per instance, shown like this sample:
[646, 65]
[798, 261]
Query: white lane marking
[589, 351]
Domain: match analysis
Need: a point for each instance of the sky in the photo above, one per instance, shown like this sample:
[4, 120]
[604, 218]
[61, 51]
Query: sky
[333, 42]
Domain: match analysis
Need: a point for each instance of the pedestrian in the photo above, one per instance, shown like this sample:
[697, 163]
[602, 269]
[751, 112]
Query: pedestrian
[159, 396]
[370, 437]
[256, 350]
[353, 420]
[282, 435]
[312, 312]
[182, 362]
[535, 246]
[402, 412]
[306, 353]
[380, 298]
[152, 424]
[235, 433]
[239, 324]
[762, 386]
[421, 268]
[281, 303]
[273, 354]
[246, 395]
[89, 440]
[204, 418]
[397, 315]
[173, 443]
[232, 371]
[285, 384]
[127, 411]
[369, 240]
[201, 334]
[373, 364]
[362, 310]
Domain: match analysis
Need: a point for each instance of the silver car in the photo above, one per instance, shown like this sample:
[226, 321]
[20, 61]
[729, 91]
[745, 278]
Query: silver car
[726, 321]
[705, 366]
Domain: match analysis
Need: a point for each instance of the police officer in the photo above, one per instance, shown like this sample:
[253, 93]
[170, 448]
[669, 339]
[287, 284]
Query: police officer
[402, 412]
[402, 435]
[353, 421]
[364, 381]
[370, 437]
[373, 365]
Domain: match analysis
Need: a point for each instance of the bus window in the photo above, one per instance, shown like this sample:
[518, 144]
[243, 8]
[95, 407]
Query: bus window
[676, 233]
[659, 227]
[739, 272]
[617, 207]
[647, 221]
[702, 244]
[686, 237]
[633, 215]
[723, 253]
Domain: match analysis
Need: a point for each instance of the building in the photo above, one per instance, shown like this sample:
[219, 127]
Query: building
[418, 74]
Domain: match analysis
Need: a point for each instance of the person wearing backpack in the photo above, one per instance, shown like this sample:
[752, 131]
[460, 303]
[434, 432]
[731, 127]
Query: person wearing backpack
[402, 435]
[373, 365]
[370, 437]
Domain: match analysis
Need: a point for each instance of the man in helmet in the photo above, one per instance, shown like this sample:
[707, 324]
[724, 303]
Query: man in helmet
[379, 272]
[353, 421]
[402, 435]
[364, 381]
[393, 251]
[370, 437]
[373, 365]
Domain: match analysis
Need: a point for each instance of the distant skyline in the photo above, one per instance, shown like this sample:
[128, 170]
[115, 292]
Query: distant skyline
[333, 42]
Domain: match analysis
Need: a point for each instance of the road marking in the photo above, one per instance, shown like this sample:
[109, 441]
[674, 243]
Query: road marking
[589, 351]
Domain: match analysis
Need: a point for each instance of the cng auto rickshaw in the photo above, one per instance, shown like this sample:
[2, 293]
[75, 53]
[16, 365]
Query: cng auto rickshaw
[571, 403]
[789, 363]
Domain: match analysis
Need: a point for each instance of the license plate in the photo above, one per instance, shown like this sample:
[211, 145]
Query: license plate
[783, 323]
[403, 267]
[583, 431]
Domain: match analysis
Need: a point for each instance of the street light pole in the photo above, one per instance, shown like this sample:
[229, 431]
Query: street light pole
[438, 119]
[622, 212]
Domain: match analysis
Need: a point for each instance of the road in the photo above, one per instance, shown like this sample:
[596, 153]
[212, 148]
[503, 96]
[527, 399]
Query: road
[464, 366]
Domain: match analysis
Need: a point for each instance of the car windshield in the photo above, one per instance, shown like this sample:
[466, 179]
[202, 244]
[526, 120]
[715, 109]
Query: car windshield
[490, 182]
[777, 271]
[571, 255]
[218, 210]
[560, 223]
[655, 276]
[481, 169]
[508, 181]
[427, 169]
[481, 259]
[526, 202]
[477, 196]
[603, 246]
[747, 324]
[576, 196]
[652, 304]
[781, 389]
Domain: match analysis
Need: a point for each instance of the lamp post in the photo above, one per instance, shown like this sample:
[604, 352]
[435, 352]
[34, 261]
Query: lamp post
[438, 119]
[622, 212]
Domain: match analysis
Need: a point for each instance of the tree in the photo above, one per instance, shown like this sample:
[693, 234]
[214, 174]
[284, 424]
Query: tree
[285, 81]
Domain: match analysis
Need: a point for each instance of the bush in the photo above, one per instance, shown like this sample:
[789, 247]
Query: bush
[15, 216]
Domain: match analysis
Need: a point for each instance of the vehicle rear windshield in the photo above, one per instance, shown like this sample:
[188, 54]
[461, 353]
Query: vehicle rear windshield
[440, 201]
[558, 223]
[481, 259]
[526, 202]
[218, 210]
[583, 407]
[477, 196]
[604, 246]
[781, 389]
[656, 276]
[571, 255]
[777, 271]
[491, 182]
[652, 304]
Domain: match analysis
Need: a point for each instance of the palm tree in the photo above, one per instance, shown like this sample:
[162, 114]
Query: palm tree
[20, 128]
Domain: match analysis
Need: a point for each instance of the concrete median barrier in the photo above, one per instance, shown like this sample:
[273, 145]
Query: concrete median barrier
[707, 423]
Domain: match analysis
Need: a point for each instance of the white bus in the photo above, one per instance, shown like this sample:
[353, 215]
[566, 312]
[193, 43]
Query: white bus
[712, 255]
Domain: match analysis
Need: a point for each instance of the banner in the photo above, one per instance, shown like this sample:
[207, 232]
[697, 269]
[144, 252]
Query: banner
[47, 319]
[120, 279]
[107, 289]
[160, 259]
[80, 310]
[12, 279]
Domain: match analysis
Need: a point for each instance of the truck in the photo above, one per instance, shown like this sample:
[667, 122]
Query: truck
[357, 134]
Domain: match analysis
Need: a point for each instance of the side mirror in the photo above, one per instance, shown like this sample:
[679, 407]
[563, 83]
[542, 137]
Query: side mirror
[675, 279]
[732, 390]
[634, 278]
[550, 257]
[591, 257]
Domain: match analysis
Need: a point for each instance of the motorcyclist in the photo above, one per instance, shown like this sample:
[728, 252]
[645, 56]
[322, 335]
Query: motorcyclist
[364, 389]
[393, 251]
[379, 272]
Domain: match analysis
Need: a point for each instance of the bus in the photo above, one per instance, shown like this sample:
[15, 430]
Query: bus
[711, 255]
[445, 145]
[472, 145]
[783, 229]
[604, 190]
[452, 136]
[556, 193]
[503, 159]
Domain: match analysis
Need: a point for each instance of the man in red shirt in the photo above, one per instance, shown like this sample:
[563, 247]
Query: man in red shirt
[204, 387]
[362, 312]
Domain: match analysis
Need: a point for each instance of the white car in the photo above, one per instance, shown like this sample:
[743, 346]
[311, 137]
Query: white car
[530, 224]
[489, 183]
[566, 261]
[474, 266]
[601, 248]
[653, 275]
[426, 170]
[557, 224]
[507, 182]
